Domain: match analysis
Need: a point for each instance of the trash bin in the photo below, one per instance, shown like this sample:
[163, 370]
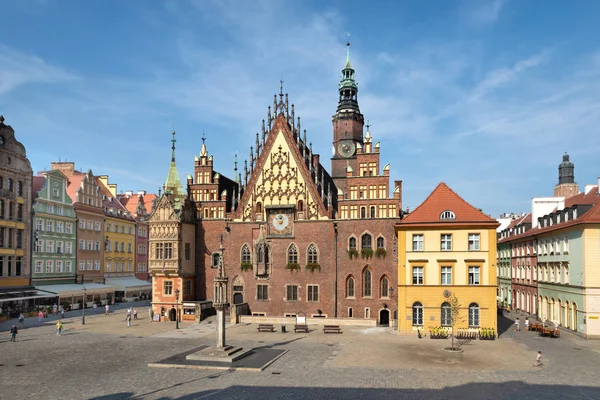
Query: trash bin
[283, 329]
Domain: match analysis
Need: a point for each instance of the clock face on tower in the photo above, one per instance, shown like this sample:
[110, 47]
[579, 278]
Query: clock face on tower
[280, 222]
[346, 148]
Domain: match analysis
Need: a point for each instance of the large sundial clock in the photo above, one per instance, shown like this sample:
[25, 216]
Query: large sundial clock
[346, 148]
[280, 222]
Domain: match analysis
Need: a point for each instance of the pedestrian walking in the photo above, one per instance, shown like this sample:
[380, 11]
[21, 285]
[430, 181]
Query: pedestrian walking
[62, 312]
[40, 316]
[135, 313]
[128, 319]
[106, 309]
[13, 333]
[538, 359]
[128, 313]
[59, 327]
[527, 324]
[517, 325]
[22, 319]
[54, 309]
[151, 314]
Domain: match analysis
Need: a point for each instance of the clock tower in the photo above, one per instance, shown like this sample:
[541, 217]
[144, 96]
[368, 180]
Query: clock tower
[347, 125]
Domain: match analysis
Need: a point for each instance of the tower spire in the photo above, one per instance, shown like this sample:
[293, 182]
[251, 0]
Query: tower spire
[173, 184]
[173, 140]
[348, 65]
[203, 151]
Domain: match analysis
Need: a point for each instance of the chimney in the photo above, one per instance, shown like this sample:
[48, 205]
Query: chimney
[588, 188]
[128, 193]
[141, 192]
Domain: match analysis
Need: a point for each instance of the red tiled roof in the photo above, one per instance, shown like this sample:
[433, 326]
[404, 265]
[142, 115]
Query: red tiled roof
[445, 199]
[582, 198]
[38, 184]
[131, 203]
[518, 221]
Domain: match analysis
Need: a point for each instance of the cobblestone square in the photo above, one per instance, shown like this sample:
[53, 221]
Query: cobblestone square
[105, 359]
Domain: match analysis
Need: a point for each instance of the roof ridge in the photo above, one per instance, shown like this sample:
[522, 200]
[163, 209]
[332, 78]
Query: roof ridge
[425, 201]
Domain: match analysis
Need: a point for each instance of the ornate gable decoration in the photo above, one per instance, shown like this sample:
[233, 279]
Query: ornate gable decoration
[164, 211]
[281, 178]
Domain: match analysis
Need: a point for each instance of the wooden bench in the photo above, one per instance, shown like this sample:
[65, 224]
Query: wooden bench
[266, 328]
[332, 329]
[301, 328]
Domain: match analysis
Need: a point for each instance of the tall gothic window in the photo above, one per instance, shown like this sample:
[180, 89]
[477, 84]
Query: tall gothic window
[352, 243]
[367, 283]
[385, 287]
[350, 287]
[372, 212]
[292, 254]
[380, 242]
[246, 255]
[417, 314]
[313, 255]
[366, 241]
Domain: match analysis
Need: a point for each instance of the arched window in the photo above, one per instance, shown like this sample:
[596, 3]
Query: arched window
[446, 317]
[380, 242]
[292, 256]
[417, 314]
[367, 283]
[300, 205]
[385, 287]
[447, 215]
[350, 287]
[473, 315]
[246, 255]
[259, 207]
[352, 243]
[363, 212]
[366, 241]
[313, 254]
[9, 182]
[372, 211]
[260, 255]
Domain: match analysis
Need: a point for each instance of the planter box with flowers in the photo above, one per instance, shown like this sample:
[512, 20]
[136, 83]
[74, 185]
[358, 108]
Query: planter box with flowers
[366, 253]
[352, 253]
[380, 252]
[292, 266]
[313, 266]
[245, 266]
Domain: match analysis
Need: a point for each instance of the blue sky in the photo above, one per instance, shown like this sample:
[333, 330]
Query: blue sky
[485, 95]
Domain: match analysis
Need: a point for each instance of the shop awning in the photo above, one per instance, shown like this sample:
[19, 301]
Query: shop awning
[23, 293]
[73, 289]
[125, 284]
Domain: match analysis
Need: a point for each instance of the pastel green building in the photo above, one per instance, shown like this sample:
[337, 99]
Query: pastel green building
[54, 235]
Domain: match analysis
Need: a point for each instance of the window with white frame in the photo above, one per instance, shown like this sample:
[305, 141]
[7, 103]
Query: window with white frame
[59, 211]
[446, 317]
[474, 315]
[59, 247]
[566, 274]
[89, 265]
[417, 314]
[98, 226]
[38, 266]
[90, 225]
[90, 245]
[473, 275]
[50, 208]
[446, 277]
[50, 226]
[447, 215]
[49, 246]
[82, 265]
[168, 288]
[68, 228]
[108, 266]
[58, 266]
[446, 242]
[474, 241]
[49, 266]
[417, 275]
[566, 245]
[312, 292]
[39, 224]
[39, 246]
[82, 224]
[97, 265]
[417, 242]
[68, 266]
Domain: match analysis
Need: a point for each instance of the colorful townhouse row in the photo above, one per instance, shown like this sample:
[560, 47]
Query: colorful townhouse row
[549, 259]
[66, 233]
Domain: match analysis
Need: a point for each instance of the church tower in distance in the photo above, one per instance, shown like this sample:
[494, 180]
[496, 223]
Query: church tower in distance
[566, 186]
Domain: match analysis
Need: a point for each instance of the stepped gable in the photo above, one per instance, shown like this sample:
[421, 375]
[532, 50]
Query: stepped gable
[284, 168]
[445, 199]
[135, 201]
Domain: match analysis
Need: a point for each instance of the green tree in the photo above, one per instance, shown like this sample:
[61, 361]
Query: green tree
[455, 313]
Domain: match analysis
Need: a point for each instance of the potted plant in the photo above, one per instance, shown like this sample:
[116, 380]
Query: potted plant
[313, 266]
[380, 252]
[245, 266]
[367, 253]
[292, 266]
[352, 253]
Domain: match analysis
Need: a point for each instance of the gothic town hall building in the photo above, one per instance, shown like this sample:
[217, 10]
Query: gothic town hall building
[293, 236]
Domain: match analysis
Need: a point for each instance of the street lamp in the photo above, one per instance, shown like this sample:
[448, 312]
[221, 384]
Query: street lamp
[176, 308]
[83, 312]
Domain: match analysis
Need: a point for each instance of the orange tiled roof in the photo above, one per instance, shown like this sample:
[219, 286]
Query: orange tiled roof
[445, 199]
[131, 203]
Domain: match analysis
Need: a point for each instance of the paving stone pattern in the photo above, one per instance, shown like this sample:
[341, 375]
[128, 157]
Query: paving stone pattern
[107, 360]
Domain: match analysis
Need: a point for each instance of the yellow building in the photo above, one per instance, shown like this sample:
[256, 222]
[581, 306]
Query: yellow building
[446, 247]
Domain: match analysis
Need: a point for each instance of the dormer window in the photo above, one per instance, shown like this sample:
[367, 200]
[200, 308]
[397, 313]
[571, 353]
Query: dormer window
[447, 215]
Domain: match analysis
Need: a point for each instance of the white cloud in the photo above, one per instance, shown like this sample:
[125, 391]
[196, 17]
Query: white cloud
[18, 68]
[482, 12]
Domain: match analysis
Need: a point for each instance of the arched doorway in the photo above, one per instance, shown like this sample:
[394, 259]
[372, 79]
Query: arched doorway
[172, 314]
[567, 315]
[574, 317]
[560, 313]
[384, 317]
